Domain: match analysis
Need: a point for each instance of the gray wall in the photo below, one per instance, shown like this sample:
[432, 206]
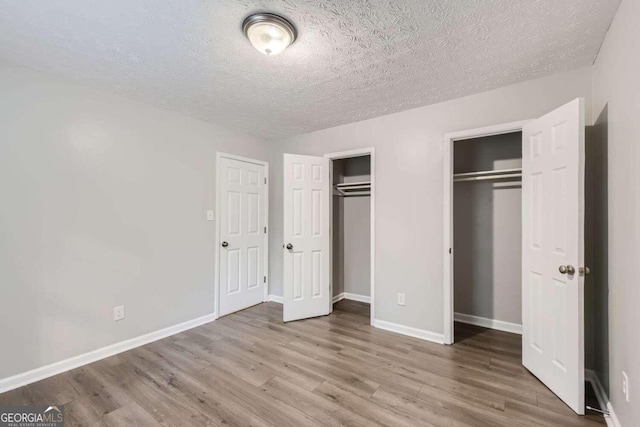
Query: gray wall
[616, 89]
[409, 185]
[103, 203]
[487, 230]
[352, 230]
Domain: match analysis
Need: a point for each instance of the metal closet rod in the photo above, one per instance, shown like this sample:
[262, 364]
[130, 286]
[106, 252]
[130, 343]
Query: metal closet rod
[347, 189]
[488, 175]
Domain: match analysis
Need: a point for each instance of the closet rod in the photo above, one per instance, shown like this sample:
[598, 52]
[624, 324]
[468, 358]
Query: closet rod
[354, 193]
[488, 177]
[493, 172]
[346, 189]
[353, 187]
[351, 184]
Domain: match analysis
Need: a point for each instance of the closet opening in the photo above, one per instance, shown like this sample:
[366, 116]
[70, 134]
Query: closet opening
[352, 219]
[487, 233]
[483, 231]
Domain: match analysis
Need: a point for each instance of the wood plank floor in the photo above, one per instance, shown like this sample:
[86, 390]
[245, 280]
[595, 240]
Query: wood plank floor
[249, 368]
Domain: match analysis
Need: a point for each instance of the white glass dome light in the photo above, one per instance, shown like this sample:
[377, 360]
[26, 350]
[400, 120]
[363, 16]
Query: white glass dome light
[269, 34]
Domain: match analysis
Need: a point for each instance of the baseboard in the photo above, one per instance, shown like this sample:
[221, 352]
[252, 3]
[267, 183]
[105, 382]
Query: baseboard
[56, 368]
[275, 298]
[612, 420]
[352, 297]
[409, 331]
[603, 400]
[356, 297]
[499, 325]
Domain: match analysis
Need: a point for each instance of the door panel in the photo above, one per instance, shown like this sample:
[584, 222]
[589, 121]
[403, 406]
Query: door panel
[306, 227]
[243, 200]
[553, 237]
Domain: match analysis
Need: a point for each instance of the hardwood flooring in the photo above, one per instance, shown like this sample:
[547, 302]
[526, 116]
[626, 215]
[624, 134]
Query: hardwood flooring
[249, 368]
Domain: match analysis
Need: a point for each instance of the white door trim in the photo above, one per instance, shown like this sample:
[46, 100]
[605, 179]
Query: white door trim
[345, 155]
[220, 155]
[449, 139]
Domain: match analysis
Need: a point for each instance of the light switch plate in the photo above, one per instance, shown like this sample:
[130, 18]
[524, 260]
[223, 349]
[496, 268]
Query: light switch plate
[118, 312]
[401, 299]
[210, 215]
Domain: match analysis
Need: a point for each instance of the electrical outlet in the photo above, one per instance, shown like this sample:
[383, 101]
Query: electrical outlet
[401, 299]
[625, 385]
[118, 312]
[210, 216]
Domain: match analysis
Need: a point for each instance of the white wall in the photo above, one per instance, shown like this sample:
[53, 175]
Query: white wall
[487, 230]
[409, 185]
[103, 204]
[616, 88]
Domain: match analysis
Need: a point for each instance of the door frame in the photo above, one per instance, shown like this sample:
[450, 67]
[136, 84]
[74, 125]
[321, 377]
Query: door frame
[367, 151]
[449, 139]
[219, 156]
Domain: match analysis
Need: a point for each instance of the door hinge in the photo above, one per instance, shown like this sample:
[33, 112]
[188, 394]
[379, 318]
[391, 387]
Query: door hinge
[265, 230]
[265, 180]
[265, 279]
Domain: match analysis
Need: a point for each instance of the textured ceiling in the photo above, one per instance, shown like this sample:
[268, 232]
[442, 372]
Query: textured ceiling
[354, 59]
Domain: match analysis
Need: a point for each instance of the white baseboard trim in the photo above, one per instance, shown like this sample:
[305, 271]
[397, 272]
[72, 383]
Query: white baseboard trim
[55, 368]
[409, 331]
[275, 298]
[499, 325]
[603, 400]
[612, 420]
[352, 297]
[356, 297]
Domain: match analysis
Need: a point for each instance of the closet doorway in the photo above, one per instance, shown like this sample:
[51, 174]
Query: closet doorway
[352, 226]
[552, 240]
[318, 191]
[487, 224]
[483, 169]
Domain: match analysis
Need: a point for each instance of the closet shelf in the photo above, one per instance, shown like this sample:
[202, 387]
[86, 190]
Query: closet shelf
[353, 189]
[488, 175]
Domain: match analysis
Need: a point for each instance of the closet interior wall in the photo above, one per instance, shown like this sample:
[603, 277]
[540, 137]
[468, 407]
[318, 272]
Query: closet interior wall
[352, 230]
[487, 228]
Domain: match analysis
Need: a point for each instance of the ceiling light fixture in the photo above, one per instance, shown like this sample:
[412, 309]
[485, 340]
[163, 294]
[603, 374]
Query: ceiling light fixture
[268, 33]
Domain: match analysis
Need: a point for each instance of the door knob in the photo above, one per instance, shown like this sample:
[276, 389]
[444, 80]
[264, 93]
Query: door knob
[225, 244]
[584, 271]
[567, 269]
[289, 246]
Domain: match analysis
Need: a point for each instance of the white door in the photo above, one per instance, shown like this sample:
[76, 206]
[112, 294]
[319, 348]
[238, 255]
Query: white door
[553, 251]
[241, 212]
[307, 193]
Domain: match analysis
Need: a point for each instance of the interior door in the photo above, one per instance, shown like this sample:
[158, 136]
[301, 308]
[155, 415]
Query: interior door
[553, 251]
[307, 192]
[242, 204]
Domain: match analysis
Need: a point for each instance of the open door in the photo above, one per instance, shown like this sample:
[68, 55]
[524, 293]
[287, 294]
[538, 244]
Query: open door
[307, 192]
[553, 251]
[241, 205]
